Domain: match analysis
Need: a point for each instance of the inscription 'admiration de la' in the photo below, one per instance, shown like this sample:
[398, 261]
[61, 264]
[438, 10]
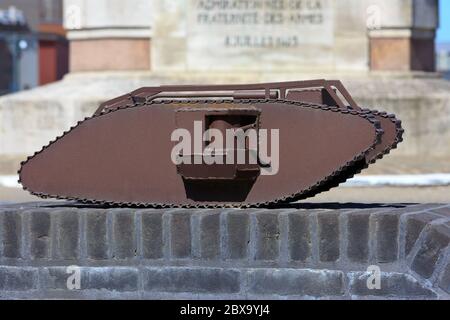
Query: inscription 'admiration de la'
[262, 15]
[280, 33]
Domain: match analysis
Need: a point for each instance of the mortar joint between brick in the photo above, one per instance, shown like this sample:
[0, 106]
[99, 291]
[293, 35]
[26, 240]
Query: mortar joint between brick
[441, 264]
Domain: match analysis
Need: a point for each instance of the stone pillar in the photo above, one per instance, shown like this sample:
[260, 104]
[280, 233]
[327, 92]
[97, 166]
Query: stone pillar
[404, 38]
[108, 35]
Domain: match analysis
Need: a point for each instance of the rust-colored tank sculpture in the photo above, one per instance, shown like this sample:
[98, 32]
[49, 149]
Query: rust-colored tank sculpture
[213, 146]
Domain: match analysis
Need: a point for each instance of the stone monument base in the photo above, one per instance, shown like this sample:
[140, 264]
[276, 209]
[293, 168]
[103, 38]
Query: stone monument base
[320, 251]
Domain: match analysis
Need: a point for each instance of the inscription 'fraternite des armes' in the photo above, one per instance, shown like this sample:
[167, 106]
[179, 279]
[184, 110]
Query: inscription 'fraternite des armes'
[260, 15]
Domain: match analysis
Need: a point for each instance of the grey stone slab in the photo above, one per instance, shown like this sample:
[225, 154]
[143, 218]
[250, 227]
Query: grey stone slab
[108, 279]
[414, 225]
[431, 249]
[358, 237]
[209, 235]
[392, 285]
[303, 282]
[329, 236]
[55, 278]
[237, 234]
[124, 235]
[444, 281]
[40, 233]
[18, 278]
[299, 236]
[444, 211]
[67, 233]
[195, 280]
[97, 245]
[152, 234]
[11, 234]
[121, 279]
[387, 236]
[180, 234]
[267, 244]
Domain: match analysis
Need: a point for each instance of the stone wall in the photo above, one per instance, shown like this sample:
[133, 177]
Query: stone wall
[314, 252]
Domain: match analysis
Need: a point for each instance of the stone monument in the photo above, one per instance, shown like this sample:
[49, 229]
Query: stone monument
[294, 35]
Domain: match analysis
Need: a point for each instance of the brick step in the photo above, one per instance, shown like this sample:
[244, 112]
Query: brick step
[241, 253]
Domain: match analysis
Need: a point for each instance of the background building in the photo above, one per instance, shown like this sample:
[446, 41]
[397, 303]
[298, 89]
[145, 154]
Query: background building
[33, 48]
[443, 40]
[309, 36]
[443, 58]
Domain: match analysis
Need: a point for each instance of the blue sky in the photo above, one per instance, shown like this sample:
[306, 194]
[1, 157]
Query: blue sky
[443, 34]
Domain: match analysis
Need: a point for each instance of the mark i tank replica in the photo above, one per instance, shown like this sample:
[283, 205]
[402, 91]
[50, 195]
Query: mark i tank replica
[214, 146]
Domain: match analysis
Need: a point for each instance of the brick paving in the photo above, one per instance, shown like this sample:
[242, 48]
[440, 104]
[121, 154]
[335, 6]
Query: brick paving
[311, 251]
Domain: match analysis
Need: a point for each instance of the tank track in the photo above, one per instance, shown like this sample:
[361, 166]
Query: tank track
[362, 164]
[348, 170]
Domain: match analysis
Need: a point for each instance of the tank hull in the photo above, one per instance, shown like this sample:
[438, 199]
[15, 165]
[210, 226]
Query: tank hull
[169, 146]
[123, 156]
